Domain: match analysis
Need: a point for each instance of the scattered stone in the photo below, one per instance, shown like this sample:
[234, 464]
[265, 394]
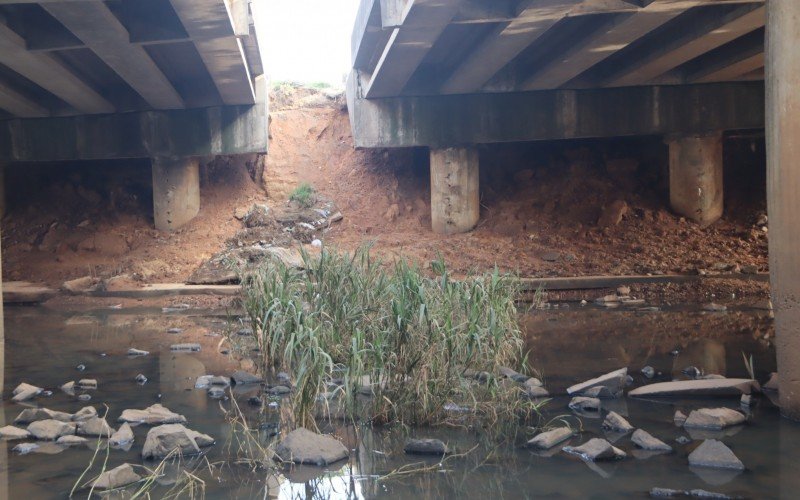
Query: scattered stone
[425, 447]
[122, 437]
[623, 291]
[712, 307]
[30, 415]
[613, 214]
[116, 478]
[679, 418]
[25, 448]
[69, 387]
[175, 331]
[153, 415]
[649, 371]
[580, 403]
[713, 453]
[164, 439]
[84, 413]
[683, 388]
[24, 392]
[50, 430]
[614, 381]
[216, 392]
[87, 384]
[302, 446]
[534, 392]
[137, 352]
[683, 440]
[746, 401]
[71, 440]
[599, 392]
[692, 371]
[185, 347]
[11, 433]
[617, 423]
[596, 449]
[95, 426]
[259, 215]
[644, 440]
[714, 418]
[84, 397]
[141, 379]
[80, 367]
[244, 378]
[547, 440]
[773, 383]
[279, 390]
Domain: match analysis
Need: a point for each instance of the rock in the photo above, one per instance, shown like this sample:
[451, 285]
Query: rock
[683, 388]
[175, 331]
[50, 430]
[712, 307]
[607, 299]
[746, 401]
[547, 440]
[425, 447]
[614, 381]
[666, 493]
[30, 415]
[24, 392]
[69, 387]
[692, 371]
[284, 377]
[165, 439]
[95, 426]
[682, 440]
[649, 371]
[259, 216]
[116, 478]
[580, 403]
[71, 440]
[714, 418]
[240, 213]
[613, 214]
[216, 392]
[11, 433]
[137, 352]
[532, 382]
[25, 448]
[534, 392]
[644, 440]
[596, 449]
[80, 285]
[141, 379]
[185, 347]
[617, 423]
[244, 378]
[87, 384]
[122, 437]
[679, 418]
[713, 453]
[551, 256]
[81, 367]
[773, 383]
[84, 413]
[153, 415]
[599, 392]
[623, 291]
[302, 446]
[279, 390]
[84, 397]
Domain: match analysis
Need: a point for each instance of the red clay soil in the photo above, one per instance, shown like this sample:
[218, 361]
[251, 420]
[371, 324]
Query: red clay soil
[568, 209]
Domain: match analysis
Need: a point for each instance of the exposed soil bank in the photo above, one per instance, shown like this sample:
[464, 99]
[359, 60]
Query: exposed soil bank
[558, 209]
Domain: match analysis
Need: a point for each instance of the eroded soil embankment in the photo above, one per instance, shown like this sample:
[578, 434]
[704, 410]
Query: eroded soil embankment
[558, 209]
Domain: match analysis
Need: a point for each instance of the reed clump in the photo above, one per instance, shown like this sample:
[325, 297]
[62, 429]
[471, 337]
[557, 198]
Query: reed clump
[388, 343]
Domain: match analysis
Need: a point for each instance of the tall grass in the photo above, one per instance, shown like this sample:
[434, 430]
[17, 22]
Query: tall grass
[401, 344]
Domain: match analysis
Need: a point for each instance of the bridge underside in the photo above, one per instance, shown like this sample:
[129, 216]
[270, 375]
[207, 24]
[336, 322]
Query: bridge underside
[163, 79]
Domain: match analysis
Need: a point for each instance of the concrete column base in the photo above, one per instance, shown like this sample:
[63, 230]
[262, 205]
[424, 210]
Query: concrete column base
[455, 187]
[695, 177]
[176, 192]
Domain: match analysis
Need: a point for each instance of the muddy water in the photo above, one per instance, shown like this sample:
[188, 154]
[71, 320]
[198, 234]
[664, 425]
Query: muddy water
[567, 345]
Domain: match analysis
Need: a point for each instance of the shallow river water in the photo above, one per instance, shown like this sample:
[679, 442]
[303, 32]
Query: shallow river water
[43, 347]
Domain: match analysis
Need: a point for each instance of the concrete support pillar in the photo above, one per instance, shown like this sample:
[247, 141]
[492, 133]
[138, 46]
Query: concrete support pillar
[3, 167]
[455, 200]
[176, 191]
[695, 177]
[783, 191]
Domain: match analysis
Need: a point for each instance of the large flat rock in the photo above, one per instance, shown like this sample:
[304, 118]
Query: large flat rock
[683, 388]
[302, 446]
[614, 381]
[713, 453]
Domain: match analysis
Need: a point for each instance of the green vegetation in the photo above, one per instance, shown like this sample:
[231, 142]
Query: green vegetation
[304, 195]
[401, 345]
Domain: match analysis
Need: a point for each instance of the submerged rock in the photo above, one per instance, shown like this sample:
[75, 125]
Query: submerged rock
[547, 440]
[95, 426]
[50, 430]
[84, 413]
[168, 438]
[773, 383]
[599, 392]
[30, 415]
[425, 447]
[24, 392]
[122, 437]
[683, 388]
[185, 347]
[11, 433]
[596, 449]
[87, 383]
[646, 441]
[614, 381]
[71, 440]
[25, 448]
[137, 352]
[679, 418]
[141, 379]
[714, 418]
[302, 446]
[206, 381]
[216, 392]
[116, 478]
[617, 423]
[244, 378]
[581, 403]
[713, 453]
[153, 415]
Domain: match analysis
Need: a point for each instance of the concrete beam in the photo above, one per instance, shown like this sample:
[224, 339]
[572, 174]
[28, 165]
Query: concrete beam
[369, 38]
[783, 192]
[209, 24]
[695, 177]
[96, 26]
[148, 134]
[455, 190]
[50, 74]
[240, 16]
[729, 62]
[505, 43]
[176, 192]
[19, 105]
[693, 42]
[422, 22]
[447, 121]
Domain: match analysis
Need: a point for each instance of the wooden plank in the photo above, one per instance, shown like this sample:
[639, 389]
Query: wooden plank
[95, 25]
[423, 22]
[209, 24]
[694, 43]
[19, 105]
[506, 43]
[47, 72]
